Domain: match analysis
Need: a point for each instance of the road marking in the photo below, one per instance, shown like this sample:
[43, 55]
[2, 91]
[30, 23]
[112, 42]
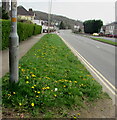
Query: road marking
[97, 73]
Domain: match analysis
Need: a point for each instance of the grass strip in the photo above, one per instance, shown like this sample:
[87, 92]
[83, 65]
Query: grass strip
[105, 41]
[51, 79]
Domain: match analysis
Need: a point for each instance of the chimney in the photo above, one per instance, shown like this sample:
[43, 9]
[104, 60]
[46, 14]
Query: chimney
[30, 9]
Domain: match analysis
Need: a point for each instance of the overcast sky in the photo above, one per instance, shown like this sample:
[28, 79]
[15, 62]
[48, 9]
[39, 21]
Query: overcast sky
[76, 9]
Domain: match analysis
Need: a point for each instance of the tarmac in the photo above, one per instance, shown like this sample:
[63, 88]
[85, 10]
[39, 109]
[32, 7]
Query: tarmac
[24, 47]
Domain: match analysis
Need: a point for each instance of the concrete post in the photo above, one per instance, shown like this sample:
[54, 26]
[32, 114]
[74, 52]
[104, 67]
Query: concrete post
[14, 44]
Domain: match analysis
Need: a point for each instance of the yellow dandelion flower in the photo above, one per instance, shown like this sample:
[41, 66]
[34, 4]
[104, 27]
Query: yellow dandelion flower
[9, 94]
[37, 96]
[55, 95]
[22, 70]
[33, 75]
[38, 92]
[32, 104]
[20, 104]
[64, 86]
[74, 117]
[78, 114]
[32, 87]
[14, 93]
[27, 77]
[75, 81]
[47, 87]
[70, 81]
[35, 91]
[27, 82]
[35, 85]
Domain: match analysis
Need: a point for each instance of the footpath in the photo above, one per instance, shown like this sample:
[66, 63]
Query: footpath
[23, 49]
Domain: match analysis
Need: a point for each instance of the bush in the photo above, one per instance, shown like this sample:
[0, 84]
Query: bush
[5, 33]
[24, 31]
[37, 29]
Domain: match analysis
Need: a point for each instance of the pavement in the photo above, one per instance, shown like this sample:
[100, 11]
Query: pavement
[24, 47]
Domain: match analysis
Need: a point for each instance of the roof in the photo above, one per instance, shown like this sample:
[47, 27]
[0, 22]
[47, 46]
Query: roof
[22, 11]
[113, 23]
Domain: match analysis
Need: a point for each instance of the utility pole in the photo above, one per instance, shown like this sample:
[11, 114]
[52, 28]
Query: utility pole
[49, 13]
[14, 45]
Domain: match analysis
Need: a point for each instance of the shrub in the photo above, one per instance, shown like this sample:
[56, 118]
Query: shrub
[24, 31]
[5, 33]
[37, 29]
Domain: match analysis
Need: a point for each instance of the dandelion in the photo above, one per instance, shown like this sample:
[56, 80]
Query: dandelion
[33, 75]
[22, 70]
[9, 94]
[27, 82]
[55, 95]
[47, 87]
[14, 93]
[74, 117]
[35, 85]
[38, 92]
[32, 87]
[37, 96]
[35, 91]
[75, 81]
[20, 104]
[27, 77]
[32, 104]
[64, 86]
[78, 114]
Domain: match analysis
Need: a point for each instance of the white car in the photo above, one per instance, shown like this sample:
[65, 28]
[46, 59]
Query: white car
[95, 34]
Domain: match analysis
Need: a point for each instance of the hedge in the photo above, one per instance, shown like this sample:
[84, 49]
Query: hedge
[24, 31]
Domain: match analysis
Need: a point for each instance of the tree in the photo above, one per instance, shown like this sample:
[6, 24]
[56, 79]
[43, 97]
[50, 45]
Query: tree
[92, 26]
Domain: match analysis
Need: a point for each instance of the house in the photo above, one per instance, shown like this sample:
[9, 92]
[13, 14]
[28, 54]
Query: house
[79, 27]
[111, 28]
[23, 14]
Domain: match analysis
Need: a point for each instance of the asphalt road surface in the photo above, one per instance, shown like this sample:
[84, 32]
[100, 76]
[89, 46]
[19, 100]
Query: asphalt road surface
[100, 55]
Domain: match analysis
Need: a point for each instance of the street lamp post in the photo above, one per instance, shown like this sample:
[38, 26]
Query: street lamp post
[49, 13]
[14, 44]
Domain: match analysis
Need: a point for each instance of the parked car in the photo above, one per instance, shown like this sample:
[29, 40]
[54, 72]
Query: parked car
[115, 36]
[109, 35]
[101, 34]
[95, 34]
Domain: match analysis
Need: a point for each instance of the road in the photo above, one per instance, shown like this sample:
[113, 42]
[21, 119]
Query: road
[100, 55]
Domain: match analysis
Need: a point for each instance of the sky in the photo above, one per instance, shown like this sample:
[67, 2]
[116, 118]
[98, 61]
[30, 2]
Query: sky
[76, 9]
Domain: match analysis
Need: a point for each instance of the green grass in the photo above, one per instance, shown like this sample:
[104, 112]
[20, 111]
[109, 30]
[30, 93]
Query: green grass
[52, 81]
[105, 41]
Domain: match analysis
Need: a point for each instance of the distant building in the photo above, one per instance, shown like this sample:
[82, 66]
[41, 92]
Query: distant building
[79, 27]
[6, 5]
[23, 14]
[111, 28]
